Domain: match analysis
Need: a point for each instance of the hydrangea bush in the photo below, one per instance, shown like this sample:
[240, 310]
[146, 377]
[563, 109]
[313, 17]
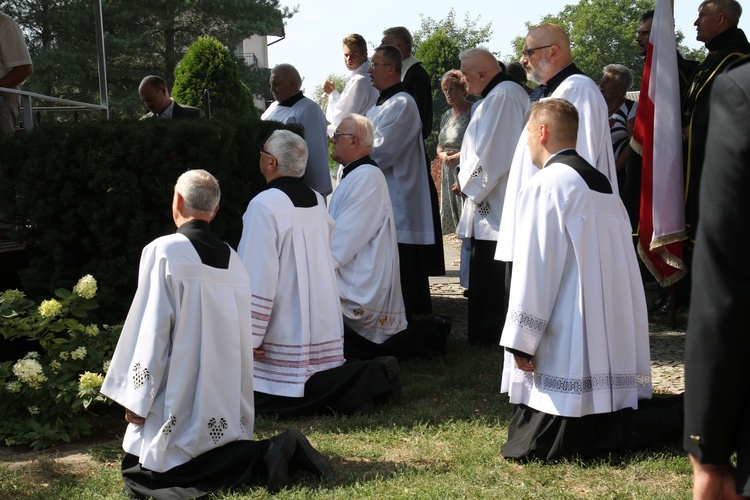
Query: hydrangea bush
[48, 394]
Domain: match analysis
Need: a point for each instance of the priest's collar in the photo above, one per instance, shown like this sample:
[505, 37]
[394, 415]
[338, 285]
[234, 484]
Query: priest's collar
[299, 194]
[212, 251]
[365, 160]
[390, 92]
[564, 152]
[726, 38]
[560, 76]
[193, 224]
[288, 103]
[500, 77]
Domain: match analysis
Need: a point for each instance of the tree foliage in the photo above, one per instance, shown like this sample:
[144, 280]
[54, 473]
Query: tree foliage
[437, 44]
[208, 65]
[320, 97]
[465, 34]
[141, 38]
[601, 32]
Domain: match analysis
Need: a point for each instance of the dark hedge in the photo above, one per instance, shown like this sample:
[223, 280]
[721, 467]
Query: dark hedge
[90, 196]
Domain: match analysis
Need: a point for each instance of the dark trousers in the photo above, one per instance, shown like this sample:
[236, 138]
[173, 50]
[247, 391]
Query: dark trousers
[487, 302]
[415, 282]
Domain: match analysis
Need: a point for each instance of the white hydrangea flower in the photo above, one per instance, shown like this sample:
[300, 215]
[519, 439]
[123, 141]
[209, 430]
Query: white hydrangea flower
[90, 380]
[86, 287]
[11, 296]
[34, 410]
[79, 353]
[49, 308]
[14, 386]
[91, 330]
[29, 371]
[55, 366]
[105, 366]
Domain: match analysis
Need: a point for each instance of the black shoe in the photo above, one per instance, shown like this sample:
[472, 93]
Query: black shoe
[308, 458]
[278, 459]
[392, 370]
[443, 327]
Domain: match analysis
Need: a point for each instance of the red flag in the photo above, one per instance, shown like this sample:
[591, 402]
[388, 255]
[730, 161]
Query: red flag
[657, 135]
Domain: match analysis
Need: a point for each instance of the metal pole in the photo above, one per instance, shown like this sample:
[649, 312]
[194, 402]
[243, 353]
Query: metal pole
[103, 95]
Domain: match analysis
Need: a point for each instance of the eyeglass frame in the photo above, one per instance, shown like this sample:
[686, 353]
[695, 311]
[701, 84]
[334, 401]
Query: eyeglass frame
[264, 152]
[530, 52]
[374, 65]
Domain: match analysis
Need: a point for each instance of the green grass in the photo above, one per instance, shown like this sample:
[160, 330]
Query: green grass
[442, 441]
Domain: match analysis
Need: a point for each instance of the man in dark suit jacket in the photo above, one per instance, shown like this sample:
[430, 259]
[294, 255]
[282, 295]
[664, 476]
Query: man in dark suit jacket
[155, 95]
[413, 75]
[717, 393]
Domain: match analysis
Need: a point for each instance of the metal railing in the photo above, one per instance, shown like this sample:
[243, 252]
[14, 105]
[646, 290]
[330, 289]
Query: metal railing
[27, 110]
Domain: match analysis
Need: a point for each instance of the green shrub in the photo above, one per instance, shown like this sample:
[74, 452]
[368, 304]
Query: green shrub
[46, 394]
[89, 197]
[208, 64]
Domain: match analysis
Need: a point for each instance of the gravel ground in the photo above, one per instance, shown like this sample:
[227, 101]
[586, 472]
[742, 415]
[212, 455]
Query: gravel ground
[667, 343]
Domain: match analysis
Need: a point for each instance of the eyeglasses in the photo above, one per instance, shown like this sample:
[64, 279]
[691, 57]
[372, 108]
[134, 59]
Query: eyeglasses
[374, 65]
[264, 152]
[338, 134]
[642, 33]
[529, 52]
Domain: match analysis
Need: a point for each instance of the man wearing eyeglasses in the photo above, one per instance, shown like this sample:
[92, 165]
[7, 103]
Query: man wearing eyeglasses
[547, 59]
[297, 329]
[486, 155]
[365, 255]
[292, 106]
[398, 150]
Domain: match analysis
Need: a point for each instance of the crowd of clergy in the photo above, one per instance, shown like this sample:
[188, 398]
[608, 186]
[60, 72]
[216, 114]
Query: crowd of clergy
[329, 289]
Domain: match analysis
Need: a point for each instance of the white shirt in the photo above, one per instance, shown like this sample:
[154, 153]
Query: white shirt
[13, 49]
[307, 113]
[594, 144]
[398, 150]
[358, 96]
[486, 155]
[576, 301]
[365, 254]
[295, 305]
[193, 384]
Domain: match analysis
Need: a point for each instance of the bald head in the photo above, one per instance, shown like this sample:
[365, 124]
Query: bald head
[546, 51]
[478, 66]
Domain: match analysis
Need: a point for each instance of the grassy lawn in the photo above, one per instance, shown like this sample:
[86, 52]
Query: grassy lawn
[442, 441]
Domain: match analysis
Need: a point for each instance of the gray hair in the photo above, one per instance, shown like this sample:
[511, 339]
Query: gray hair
[391, 55]
[731, 9]
[623, 76]
[290, 151]
[200, 190]
[473, 52]
[401, 34]
[363, 129]
[288, 73]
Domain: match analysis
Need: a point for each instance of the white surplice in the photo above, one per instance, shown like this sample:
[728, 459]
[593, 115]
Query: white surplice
[398, 150]
[365, 253]
[186, 369]
[295, 305]
[594, 144]
[307, 113]
[357, 97]
[486, 155]
[576, 301]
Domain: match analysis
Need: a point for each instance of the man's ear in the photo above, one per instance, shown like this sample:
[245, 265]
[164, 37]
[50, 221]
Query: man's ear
[554, 52]
[543, 132]
[216, 210]
[180, 201]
